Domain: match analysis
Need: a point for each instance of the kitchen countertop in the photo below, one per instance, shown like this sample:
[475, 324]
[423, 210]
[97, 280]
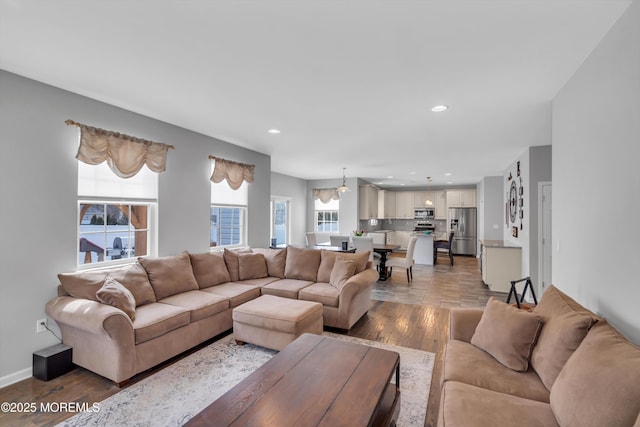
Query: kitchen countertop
[498, 244]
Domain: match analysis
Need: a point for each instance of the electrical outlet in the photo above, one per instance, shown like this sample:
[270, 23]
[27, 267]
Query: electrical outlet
[40, 325]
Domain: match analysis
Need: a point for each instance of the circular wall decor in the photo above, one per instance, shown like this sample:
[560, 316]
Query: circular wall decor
[513, 202]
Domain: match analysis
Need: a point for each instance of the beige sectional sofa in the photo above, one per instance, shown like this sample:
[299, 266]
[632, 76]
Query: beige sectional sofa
[124, 320]
[560, 365]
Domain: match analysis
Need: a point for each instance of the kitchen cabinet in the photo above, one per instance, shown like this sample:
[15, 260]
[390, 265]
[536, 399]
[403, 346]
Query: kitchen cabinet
[440, 204]
[419, 198]
[461, 198]
[500, 263]
[368, 201]
[404, 204]
[403, 239]
[386, 204]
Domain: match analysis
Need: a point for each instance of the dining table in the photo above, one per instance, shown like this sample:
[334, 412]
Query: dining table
[384, 250]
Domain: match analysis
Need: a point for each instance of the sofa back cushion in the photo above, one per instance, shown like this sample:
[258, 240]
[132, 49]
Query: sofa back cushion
[252, 266]
[566, 323]
[209, 269]
[276, 260]
[115, 294]
[170, 275]
[507, 333]
[231, 259]
[328, 259]
[85, 284]
[600, 383]
[302, 264]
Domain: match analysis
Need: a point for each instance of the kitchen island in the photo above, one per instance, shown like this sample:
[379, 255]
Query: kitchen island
[423, 254]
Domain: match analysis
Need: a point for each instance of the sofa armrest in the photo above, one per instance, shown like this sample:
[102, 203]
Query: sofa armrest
[463, 322]
[356, 284]
[87, 315]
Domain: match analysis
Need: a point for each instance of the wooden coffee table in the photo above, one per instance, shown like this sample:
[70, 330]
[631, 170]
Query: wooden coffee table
[314, 381]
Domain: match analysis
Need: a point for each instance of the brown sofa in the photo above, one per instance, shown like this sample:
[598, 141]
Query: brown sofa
[577, 371]
[173, 303]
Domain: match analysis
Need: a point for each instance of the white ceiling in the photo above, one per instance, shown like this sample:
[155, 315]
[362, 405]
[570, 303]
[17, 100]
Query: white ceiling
[349, 83]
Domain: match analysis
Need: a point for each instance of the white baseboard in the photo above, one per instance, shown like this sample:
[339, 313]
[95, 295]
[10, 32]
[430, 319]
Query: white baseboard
[15, 377]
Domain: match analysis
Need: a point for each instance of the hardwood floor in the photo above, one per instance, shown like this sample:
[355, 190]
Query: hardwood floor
[420, 321]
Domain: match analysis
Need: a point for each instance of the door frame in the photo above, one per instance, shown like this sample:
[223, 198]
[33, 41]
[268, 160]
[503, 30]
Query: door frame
[541, 221]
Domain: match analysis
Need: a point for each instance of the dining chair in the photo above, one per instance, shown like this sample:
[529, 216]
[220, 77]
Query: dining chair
[406, 262]
[311, 239]
[337, 240]
[443, 244]
[363, 244]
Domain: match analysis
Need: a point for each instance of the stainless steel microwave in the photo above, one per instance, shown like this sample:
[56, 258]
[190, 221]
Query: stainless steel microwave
[424, 213]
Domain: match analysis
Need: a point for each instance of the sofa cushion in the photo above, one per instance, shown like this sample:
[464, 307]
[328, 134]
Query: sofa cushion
[323, 293]
[465, 363]
[302, 264]
[563, 331]
[200, 304]
[286, 288]
[231, 259]
[252, 266]
[209, 269]
[85, 284]
[263, 281]
[276, 260]
[170, 275]
[466, 405]
[113, 293]
[507, 333]
[328, 259]
[156, 319]
[599, 384]
[343, 270]
[236, 293]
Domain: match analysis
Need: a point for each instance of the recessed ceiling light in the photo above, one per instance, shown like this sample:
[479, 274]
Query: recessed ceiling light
[439, 108]
[389, 177]
[447, 174]
[274, 131]
[412, 173]
[449, 182]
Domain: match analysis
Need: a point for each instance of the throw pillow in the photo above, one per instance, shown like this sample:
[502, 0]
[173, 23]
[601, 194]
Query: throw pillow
[115, 294]
[134, 277]
[170, 275]
[231, 259]
[507, 333]
[328, 258]
[276, 260]
[563, 331]
[598, 386]
[209, 269]
[302, 264]
[83, 284]
[252, 266]
[343, 270]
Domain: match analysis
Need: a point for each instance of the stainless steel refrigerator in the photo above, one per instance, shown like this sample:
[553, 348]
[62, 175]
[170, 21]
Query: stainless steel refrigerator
[464, 225]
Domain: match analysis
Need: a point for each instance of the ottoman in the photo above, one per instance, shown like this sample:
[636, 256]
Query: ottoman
[273, 322]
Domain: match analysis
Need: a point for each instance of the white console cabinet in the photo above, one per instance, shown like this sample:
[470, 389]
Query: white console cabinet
[500, 263]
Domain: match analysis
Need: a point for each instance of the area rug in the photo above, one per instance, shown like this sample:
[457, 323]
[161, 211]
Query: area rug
[172, 396]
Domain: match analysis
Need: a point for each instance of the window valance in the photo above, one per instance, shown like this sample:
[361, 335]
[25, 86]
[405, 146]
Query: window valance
[234, 172]
[326, 194]
[124, 154]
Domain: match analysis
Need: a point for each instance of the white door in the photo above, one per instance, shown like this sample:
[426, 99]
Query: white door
[544, 243]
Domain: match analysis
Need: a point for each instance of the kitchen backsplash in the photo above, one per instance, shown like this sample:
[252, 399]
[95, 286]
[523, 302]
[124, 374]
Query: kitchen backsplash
[399, 225]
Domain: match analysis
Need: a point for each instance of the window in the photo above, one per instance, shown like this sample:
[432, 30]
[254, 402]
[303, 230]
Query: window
[280, 220]
[116, 215]
[326, 215]
[228, 215]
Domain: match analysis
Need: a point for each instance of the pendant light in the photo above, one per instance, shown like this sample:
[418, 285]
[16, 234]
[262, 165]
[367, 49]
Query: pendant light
[428, 202]
[343, 187]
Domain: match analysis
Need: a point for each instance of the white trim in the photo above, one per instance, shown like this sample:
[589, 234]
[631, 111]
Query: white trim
[541, 184]
[16, 377]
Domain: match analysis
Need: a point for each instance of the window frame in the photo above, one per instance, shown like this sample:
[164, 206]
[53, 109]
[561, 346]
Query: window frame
[287, 222]
[242, 228]
[333, 208]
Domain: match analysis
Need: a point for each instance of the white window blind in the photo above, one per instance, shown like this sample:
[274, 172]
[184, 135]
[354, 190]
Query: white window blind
[100, 181]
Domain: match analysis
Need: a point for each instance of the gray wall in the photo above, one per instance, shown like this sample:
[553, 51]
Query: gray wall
[296, 190]
[491, 203]
[38, 196]
[596, 187]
